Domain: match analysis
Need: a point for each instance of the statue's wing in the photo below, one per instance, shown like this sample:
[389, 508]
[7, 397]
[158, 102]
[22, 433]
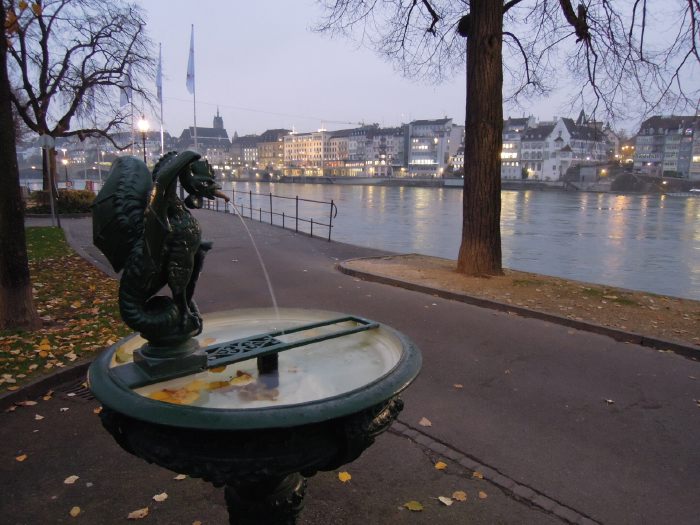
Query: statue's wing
[118, 209]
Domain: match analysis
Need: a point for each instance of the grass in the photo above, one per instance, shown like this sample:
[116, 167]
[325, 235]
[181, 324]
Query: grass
[77, 304]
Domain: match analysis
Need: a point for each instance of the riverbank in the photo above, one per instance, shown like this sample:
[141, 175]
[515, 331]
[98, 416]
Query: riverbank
[639, 317]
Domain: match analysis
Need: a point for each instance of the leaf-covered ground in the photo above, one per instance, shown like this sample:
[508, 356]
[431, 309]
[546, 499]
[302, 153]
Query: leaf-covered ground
[78, 307]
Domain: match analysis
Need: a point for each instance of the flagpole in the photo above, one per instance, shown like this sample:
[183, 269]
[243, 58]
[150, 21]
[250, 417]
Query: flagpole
[191, 84]
[194, 102]
[159, 85]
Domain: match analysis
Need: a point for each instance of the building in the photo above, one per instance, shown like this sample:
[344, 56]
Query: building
[271, 149]
[513, 129]
[244, 150]
[667, 146]
[549, 149]
[214, 138]
[429, 146]
[307, 153]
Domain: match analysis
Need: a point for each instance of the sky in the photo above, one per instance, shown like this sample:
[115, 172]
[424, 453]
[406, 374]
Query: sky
[263, 67]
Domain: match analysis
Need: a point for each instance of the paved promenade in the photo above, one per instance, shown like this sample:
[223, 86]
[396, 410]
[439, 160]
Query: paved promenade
[565, 426]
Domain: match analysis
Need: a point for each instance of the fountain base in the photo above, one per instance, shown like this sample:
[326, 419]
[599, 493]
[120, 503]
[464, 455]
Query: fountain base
[264, 471]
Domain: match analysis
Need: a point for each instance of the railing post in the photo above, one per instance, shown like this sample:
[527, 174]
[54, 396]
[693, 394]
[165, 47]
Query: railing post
[282, 220]
[312, 226]
[250, 197]
[260, 215]
[217, 203]
[296, 215]
[270, 207]
[330, 221]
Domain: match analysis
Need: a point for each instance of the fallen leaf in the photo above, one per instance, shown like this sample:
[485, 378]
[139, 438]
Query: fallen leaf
[218, 369]
[197, 522]
[413, 506]
[460, 495]
[37, 417]
[26, 403]
[445, 500]
[138, 514]
[425, 422]
[610, 401]
[21, 458]
[483, 495]
[242, 378]
[458, 385]
[344, 476]
[478, 475]
[71, 479]
[74, 512]
[440, 465]
[97, 410]
[160, 497]
[64, 409]
[180, 477]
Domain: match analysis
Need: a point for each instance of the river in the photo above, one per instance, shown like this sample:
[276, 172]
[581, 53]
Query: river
[641, 242]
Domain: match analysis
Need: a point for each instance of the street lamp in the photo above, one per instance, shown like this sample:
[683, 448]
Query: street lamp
[65, 168]
[143, 128]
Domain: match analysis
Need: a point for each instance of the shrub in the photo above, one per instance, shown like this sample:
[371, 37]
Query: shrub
[69, 201]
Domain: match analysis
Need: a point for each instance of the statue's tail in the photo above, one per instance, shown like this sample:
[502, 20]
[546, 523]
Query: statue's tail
[156, 317]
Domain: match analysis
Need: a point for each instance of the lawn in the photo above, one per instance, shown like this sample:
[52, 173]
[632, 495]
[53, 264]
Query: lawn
[77, 304]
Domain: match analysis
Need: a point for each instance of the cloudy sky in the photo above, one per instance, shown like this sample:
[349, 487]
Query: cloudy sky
[262, 66]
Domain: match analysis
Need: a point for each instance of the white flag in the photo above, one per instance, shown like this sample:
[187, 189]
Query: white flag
[190, 65]
[125, 94]
[159, 76]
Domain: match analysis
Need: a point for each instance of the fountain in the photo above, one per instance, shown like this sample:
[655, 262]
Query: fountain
[254, 400]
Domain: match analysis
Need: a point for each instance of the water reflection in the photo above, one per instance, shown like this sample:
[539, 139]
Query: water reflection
[641, 242]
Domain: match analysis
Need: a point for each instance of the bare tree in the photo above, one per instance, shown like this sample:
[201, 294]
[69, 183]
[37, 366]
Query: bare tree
[608, 51]
[67, 56]
[60, 62]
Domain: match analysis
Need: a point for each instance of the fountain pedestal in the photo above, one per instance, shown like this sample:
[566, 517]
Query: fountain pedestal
[257, 431]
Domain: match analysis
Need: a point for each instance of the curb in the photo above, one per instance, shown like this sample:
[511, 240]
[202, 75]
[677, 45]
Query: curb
[511, 487]
[688, 351]
[40, 386]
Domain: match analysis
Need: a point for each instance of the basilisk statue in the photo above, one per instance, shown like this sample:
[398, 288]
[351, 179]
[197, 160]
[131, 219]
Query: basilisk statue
[146, 230]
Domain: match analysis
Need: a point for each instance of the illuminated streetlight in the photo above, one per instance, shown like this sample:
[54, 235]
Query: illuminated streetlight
[143, 128]
[65, 165]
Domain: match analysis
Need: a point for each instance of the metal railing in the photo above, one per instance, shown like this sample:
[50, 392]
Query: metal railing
[285, 214]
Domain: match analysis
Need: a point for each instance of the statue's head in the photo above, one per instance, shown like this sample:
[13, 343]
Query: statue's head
[200, 183]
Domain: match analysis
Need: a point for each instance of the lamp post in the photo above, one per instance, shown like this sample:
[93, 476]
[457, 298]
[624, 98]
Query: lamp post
[143, 128]
[64, 161]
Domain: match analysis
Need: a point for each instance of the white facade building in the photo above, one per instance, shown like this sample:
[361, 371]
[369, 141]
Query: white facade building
[550, 149]
[429, 147]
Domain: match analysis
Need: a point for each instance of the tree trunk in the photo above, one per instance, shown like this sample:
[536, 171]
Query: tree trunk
[480, 250]
[16, 304]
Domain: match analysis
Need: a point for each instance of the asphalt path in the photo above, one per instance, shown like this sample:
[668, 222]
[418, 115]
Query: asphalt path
[605, 428]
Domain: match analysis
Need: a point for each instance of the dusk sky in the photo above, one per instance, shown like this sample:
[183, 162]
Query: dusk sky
[263, 67]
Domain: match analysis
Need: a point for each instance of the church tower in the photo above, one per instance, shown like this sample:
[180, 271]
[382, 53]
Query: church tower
[218, 121]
